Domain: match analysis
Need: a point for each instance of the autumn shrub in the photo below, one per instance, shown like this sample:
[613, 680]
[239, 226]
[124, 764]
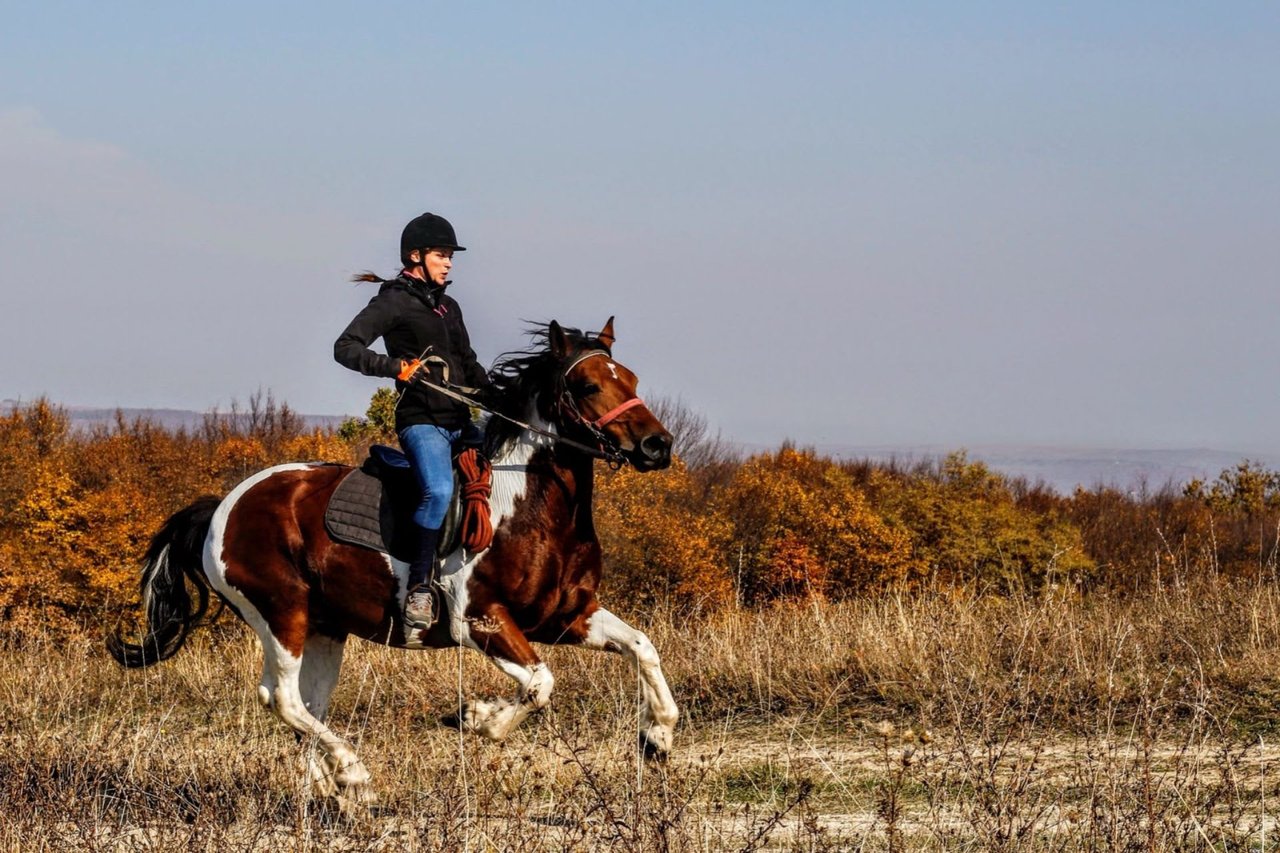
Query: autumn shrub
[801, 527]
[966, 527]
[661, 545]
[78, 507]
[1243, 505]
[1226, 527]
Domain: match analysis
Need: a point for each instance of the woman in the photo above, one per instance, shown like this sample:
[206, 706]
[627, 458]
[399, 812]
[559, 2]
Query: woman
[425, 336]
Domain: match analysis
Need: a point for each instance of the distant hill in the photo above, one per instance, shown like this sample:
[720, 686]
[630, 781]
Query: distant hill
[86, 417]
[1064, 468]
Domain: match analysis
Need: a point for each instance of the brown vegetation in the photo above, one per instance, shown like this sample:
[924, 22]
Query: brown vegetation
[925, 721]
[77, 508]
[879, 656]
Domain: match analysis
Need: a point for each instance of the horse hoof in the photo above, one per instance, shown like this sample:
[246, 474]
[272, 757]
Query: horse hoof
[352, 809]
[357, 801]
[652, 751]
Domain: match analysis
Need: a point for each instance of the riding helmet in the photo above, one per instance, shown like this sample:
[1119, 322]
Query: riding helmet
[428, 231]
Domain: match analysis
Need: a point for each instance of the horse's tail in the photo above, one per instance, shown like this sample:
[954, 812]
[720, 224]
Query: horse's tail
[175, 551]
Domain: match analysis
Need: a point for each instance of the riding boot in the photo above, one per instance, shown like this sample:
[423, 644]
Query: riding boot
[419, 604]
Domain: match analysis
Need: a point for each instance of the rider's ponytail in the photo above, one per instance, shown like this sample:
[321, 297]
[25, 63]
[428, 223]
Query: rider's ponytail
[368, 276]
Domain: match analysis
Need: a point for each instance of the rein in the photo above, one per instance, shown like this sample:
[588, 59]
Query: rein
[606, 449]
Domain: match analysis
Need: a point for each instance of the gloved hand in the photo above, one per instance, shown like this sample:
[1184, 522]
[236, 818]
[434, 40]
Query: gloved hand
[410, 370]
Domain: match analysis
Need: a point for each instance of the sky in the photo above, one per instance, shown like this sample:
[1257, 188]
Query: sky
[840, 223]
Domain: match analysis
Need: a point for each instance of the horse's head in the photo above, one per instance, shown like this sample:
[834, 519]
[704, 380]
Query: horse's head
[597, 396]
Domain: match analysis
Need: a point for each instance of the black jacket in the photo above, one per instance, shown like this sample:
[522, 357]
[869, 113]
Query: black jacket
[411, 316]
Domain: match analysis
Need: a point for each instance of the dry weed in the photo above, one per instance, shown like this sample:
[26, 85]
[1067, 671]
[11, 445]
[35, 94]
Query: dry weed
[1039, 722]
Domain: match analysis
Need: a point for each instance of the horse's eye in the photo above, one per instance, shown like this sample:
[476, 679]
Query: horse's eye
[590, 388]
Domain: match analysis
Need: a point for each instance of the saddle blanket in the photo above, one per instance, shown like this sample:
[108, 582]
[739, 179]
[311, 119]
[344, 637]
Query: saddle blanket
[373, 507]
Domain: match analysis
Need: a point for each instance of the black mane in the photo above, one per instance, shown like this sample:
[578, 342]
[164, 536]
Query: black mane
[518, 376]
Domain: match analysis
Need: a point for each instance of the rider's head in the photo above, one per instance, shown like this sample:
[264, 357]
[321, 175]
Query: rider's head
[427, 245]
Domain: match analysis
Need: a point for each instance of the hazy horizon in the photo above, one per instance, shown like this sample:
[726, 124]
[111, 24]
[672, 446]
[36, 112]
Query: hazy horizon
[1061, 467]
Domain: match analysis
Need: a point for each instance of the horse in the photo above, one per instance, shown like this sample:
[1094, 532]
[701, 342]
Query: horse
[264, 550]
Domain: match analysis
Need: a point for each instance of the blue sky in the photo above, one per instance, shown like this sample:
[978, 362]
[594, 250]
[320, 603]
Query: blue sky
[843, 223]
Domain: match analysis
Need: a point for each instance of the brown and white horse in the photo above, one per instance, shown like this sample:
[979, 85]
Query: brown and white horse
[264, 549]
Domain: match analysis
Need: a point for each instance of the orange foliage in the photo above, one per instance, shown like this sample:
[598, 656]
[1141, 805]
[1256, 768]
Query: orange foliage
[793, 569]
[660, 545]
[802, 526]
[77, 509]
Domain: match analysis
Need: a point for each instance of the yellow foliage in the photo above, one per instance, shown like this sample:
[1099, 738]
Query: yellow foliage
[318, 446]
[660, 545]
[237, 457]
[803, 527]
[77, 509]
[966, 527]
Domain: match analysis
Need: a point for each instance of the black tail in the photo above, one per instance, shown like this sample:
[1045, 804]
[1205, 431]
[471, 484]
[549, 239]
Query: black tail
[175, 551]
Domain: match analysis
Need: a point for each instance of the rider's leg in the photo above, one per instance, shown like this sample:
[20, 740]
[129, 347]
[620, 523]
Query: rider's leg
[430, 452]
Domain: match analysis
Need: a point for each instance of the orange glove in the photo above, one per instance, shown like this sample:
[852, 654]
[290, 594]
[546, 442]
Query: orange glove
[408, 369]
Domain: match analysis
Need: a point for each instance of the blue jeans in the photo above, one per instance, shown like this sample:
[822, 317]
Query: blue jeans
[430, 451]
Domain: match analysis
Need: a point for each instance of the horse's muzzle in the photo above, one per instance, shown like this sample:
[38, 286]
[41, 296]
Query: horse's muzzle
[655, 452]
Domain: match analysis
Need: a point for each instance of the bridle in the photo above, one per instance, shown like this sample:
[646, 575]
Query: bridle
[569, 405]
[606, 448]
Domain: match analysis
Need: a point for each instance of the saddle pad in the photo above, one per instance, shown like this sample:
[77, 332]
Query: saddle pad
[354, 514]
[362, 512]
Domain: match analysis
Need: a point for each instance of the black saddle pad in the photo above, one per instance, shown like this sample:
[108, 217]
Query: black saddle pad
[373, 507]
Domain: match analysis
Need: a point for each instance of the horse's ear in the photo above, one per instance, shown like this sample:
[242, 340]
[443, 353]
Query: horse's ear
[558, 340]
[606, 335]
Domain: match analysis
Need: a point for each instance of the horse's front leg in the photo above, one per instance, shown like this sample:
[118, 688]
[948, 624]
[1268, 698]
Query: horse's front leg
[658, 714]
[496, 634]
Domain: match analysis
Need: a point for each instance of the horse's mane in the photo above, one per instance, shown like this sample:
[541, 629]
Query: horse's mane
[517, 376]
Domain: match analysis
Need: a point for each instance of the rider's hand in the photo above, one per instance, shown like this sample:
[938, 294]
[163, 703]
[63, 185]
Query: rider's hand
[409, 370]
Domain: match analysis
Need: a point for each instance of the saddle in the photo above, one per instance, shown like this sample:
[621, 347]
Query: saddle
[373, 505]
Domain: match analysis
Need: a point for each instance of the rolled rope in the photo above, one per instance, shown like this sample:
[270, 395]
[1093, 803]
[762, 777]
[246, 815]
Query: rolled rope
[477, 527]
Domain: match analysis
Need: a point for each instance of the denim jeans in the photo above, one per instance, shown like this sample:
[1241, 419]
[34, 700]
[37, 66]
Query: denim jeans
[430, 451]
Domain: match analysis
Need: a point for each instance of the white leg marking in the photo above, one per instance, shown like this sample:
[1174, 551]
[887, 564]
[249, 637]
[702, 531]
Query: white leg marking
[280, 687]
[658, 713]
[496, 718]
[321, 664]
[350, 778]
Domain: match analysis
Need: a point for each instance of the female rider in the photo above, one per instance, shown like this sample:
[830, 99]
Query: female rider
[422, 327]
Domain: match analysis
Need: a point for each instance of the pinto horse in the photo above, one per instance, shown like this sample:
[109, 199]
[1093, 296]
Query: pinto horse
[265, 551]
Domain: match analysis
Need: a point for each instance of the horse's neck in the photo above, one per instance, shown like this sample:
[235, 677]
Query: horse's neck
[534, 464]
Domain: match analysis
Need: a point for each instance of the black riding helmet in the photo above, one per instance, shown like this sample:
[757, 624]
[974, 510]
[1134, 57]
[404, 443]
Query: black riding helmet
[427, 231]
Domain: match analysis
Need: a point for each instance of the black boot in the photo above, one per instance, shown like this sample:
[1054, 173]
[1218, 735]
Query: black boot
[419, 604]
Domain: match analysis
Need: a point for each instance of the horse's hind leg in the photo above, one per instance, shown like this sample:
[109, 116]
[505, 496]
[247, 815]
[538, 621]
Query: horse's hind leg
[497, 636]
[658, 712]
[321, 663]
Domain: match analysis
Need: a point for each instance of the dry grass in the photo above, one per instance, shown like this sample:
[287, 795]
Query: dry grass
[1046, 722]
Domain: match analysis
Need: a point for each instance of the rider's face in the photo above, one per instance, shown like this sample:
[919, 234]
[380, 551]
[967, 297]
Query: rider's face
[437, 263]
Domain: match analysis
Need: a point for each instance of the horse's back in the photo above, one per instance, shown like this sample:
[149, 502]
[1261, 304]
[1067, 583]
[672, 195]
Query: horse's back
[277, 554]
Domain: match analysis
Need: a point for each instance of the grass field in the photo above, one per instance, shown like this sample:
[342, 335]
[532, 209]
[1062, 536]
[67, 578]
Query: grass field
[938, 721]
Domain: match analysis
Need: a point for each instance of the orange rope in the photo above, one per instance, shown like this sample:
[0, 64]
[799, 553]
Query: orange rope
[477, 528]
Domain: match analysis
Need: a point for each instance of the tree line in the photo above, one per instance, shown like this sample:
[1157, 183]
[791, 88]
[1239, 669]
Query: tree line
[718, 529]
